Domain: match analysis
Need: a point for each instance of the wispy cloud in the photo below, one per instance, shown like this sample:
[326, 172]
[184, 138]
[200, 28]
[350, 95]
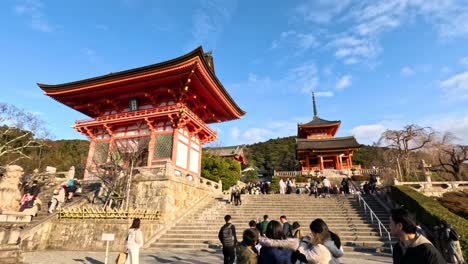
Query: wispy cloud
[464, 61]
[321, 12]
[33, 11]
[91, 55]
[363, 23]
[343, 82]
[368, 134]
[456, 87]
[209, 20]
[301, 41]
[407, 71]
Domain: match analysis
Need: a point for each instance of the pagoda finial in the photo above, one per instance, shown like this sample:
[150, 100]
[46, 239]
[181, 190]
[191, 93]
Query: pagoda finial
[315, 105]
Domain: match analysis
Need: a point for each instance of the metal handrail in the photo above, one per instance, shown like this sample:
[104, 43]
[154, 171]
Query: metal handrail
[373, 215]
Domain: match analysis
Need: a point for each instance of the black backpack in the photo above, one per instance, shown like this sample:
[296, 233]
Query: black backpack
[228, 239]
[453, 235]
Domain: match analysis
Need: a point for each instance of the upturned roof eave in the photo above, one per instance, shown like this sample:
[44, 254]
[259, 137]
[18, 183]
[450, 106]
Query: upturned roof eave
[49, 88]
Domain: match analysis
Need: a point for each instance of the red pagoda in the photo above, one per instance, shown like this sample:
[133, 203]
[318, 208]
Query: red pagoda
[317, 148]
[169, 104]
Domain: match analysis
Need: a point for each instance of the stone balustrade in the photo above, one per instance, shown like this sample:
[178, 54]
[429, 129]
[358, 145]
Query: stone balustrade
[435, 188]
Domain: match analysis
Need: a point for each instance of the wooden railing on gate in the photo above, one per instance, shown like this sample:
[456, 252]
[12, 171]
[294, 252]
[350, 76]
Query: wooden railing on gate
[97, 213]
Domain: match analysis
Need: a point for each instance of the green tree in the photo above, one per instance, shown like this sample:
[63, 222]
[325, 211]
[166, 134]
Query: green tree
[217, 168]
[251, 175]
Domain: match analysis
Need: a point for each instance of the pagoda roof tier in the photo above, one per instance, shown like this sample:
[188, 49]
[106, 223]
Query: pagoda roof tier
[188, 79]
[317, 121]
[178, 115]
[327, 144]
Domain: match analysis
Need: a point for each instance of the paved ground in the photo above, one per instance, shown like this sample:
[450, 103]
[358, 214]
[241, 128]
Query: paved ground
[168, 256]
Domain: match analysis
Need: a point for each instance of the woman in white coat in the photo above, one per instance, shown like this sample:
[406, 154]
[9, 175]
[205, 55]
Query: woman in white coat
[134, 243]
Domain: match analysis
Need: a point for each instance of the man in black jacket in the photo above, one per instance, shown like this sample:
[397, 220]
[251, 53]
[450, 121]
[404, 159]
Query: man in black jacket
[228, 238]
[412, 248]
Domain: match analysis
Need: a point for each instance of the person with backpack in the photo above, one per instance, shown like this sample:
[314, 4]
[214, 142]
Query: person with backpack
[287, 229]
[296, 230]
[227, 237]
[453, 250]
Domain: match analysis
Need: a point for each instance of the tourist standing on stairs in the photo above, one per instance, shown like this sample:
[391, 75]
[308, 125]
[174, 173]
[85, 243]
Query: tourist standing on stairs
[326, 187]
[310, 249]
[287, 229]
[282, 186]
[227, 237]
[289, 186]
[264, 224]
[134, 242]
[273, 255]
[246, 251]
[411, 247]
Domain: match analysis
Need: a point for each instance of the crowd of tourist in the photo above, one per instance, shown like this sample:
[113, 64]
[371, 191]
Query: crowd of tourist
[271, 241]
[30, 203]
[278, 242]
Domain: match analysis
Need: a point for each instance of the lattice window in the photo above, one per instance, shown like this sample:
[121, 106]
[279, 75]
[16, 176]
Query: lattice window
[101, 151]
[163, 146]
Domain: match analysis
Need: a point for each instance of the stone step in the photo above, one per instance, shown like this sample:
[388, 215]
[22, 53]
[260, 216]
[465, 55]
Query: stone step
[239, 233]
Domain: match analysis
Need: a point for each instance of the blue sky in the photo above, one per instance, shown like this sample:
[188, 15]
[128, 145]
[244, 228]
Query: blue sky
[374, 65]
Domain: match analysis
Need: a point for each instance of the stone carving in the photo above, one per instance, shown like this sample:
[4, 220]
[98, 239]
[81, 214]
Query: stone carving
[10, 194]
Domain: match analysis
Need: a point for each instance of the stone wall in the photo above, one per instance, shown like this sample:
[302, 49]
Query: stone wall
[172, 195]
[77, 234]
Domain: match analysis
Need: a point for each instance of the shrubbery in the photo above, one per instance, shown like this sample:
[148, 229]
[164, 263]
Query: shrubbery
[217, 168]
[430, 212]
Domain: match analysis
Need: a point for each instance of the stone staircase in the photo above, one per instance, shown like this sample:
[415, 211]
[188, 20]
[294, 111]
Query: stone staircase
[199, 230]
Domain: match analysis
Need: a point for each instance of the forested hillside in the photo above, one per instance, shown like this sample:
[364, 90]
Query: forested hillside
[280, 154]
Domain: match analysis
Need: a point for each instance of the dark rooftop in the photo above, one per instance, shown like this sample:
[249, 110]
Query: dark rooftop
[327, 143]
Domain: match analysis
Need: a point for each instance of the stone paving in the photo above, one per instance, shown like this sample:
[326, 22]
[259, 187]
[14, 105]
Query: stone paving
[167, 256]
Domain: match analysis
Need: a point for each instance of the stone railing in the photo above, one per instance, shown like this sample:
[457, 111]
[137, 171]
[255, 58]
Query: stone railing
[435, 188]
[96, 213]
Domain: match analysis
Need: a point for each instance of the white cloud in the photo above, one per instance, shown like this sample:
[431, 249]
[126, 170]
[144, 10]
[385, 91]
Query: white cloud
[235, 132]
[445, 69]
[91, 55]
[368, 134]
[407, 71]
[33, 11]
[365, 22]
[305, 77]
[464, 61]
[253, 135]
[291, 38]
[456, 86]
[458, 125]
[208, 22]
[321, 11]
[343, 82]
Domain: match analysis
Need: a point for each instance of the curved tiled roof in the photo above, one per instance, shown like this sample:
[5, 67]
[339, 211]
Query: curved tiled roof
[327, 143]
[317, 121]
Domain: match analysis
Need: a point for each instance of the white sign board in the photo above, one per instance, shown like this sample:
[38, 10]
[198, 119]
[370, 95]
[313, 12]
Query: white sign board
[108, 237]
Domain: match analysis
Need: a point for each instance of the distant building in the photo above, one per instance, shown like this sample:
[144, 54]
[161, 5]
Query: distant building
[317, 148]
[235, 152]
